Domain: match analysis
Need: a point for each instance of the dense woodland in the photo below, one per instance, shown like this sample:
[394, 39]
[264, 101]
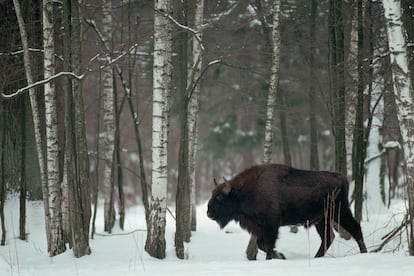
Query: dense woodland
[79, 116]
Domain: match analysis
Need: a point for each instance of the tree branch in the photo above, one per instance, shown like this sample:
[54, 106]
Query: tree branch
[42, 82]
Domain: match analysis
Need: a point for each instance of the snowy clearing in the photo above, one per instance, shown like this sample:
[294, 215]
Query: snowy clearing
[211, 252]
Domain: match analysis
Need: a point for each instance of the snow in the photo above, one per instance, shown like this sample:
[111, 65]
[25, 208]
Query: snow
[211, 252]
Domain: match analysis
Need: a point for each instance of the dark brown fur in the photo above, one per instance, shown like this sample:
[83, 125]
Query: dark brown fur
[265, 197]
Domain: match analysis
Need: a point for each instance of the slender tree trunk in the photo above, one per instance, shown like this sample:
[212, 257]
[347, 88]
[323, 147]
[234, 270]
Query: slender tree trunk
[359, 131]
[117, 159]
[109, 120]
[95, 191]
[283, 128]
[36, 116]
[194, 106]
[252, 249]
[183, 211]
[155, 243]
[54, 189]
[23, 185]
[3, 177]
[338, 81]
[314, 157]
[274, 79]
[403, 93]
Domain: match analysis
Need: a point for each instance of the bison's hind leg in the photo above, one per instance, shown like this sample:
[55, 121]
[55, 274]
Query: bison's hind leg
[266, 242]
[348, 222]
[325, 231]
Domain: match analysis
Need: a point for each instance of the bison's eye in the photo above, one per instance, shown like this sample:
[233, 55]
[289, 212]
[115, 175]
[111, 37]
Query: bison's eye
[220, 197]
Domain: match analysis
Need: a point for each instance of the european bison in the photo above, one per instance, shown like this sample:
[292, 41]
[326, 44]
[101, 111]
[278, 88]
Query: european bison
[265, 197]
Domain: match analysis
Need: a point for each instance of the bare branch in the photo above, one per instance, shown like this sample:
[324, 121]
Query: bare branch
[42, 82]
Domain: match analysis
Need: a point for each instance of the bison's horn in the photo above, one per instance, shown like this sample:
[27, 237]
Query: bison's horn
[215, 182]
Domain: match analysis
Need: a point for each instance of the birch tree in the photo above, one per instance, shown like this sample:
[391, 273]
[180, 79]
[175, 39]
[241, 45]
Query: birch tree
[271, 98]
[109, 120]
[252, 248]
[155, 243]
[35, 113]
[57, 244]
[194, 106]
[402, 87]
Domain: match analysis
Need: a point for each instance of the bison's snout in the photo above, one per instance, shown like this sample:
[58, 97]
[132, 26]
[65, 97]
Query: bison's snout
[210, 214]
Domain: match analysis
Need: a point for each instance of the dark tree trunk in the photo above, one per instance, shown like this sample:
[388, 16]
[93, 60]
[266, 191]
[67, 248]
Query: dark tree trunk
[183, 206]
[117, 159]
[3, 176]
[283, 128]
[359, 131]
[338, 81]
[314, 157]
[76, 149]
[23, 188]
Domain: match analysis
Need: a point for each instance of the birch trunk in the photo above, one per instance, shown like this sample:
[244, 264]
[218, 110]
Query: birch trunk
[403, 94]
[57, 244]
[36, 115]
[194, 106]
[252, 249]
[109, 120]
[155, 243]
[274, 78]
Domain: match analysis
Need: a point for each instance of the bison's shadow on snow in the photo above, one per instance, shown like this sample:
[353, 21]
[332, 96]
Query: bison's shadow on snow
[265, 197]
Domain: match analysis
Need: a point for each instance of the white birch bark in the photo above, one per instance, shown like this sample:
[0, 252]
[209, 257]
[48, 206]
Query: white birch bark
[36, 114]
[403, 94]
[109, 118]
[274, 79]
[194, 105]
[155, 244]
[57, 245]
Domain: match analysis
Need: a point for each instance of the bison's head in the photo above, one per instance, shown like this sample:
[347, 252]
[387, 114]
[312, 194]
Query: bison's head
[223, 204]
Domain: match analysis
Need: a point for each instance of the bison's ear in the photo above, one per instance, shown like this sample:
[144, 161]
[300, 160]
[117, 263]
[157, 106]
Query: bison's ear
[227, 187]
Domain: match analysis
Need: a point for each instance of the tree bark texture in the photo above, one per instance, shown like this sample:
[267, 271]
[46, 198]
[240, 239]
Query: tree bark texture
[194, 105]
[36, 115]
[155, 243]
[274, 78]
[402, 87]
[109, 121]
[57, 245]
[338, 81]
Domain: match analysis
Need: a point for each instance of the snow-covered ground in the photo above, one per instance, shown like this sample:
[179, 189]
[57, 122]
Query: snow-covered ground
[211, 252]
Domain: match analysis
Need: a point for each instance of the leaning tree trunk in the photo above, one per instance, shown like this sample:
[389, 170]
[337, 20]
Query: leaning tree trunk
[194, 105]
[109, 121]
[403, 95]
[36, 115]
[162, 69]
[252, 249]
[54, 189]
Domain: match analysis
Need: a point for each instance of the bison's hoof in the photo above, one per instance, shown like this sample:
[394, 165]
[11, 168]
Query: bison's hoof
[278, 255]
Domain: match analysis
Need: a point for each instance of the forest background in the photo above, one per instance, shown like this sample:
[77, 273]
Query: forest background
[322, 107]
